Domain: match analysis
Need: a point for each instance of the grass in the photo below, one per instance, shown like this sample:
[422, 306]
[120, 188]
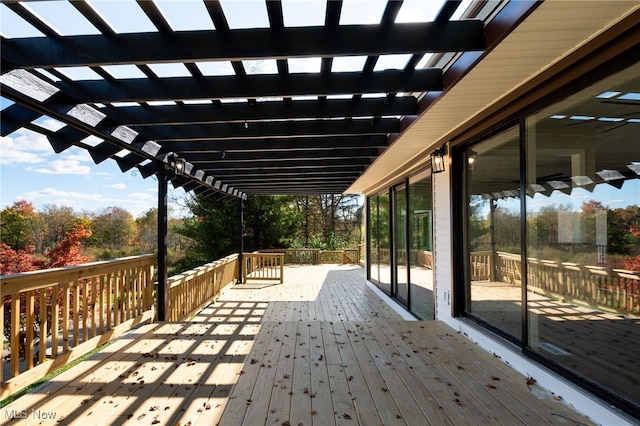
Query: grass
[50, 376]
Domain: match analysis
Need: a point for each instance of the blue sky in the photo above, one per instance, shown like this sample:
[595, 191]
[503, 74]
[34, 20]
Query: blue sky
[30, 170]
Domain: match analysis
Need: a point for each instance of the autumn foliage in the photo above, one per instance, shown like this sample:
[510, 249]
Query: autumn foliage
[66, 252]
[69, 251]
[14, 261]
[632, 264]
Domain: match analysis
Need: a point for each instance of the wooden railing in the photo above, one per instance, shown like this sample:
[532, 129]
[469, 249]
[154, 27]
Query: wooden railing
[189, 292]
[309, 256]
[616, 289]
[263, 266]
[57, 315]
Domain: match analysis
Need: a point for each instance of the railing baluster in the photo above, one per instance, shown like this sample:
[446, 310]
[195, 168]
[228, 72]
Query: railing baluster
[75, 312]
[65, 317]
[28, 342]
[85, 311]
[94, 304]
[72, 296]
[55, 319]
[15, 335]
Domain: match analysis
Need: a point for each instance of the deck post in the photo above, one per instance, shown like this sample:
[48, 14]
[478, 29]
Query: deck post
[240, 257]
[162, 243]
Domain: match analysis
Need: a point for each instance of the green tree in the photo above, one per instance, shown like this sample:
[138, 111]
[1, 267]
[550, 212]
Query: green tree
[330, 221]
[15, 225]
[51, 225]
[478, 224]
[270, 222]
[623, 231]
[147, 231]
[114, 229]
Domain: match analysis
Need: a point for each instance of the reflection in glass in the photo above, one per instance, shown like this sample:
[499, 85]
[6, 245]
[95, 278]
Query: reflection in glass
[583, 226]
[384, 242]
[421, 244]
[379, 241]
[374, 246]
[400, 240]
[493, 232]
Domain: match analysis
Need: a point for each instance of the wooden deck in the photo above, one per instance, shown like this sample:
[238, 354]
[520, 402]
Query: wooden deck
[320, 349]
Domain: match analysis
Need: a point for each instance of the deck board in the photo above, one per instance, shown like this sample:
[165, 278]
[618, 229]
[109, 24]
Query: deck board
[320, 349]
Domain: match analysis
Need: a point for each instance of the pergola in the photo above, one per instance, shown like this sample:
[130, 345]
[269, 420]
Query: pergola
[239, 118]
[248, 130]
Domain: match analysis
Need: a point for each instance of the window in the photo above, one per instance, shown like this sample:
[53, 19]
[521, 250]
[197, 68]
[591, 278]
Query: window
[583, 237]
[580, 179]
[380, 241]
[494, 282]
[421, 246]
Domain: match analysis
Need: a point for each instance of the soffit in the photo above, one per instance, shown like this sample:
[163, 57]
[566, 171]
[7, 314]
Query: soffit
[549, 33]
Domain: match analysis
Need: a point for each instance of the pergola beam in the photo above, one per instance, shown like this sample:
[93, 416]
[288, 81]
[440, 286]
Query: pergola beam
[245, 44]
[262, 85]
[267, 110]
[278, 144]
[263, 130]
[240, 156]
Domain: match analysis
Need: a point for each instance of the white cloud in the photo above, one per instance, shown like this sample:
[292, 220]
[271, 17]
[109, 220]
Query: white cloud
[24, 146]
[141, 196]
[63, 167]
[78, 154]
[58, 194]
[117, 186]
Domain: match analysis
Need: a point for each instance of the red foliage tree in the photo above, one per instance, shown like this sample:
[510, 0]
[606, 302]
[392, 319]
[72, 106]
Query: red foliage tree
[632, 263]
[15, 261]
[69, 251]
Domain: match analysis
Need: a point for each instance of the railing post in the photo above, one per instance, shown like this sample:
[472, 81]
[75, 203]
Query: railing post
[241, 266]
[162, 243]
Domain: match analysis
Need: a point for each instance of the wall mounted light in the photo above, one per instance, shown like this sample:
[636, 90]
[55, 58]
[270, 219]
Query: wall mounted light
[472, 157]
[176, 163]
[437, 159]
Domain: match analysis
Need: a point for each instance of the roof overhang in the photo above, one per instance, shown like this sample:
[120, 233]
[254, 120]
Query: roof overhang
[555, 30]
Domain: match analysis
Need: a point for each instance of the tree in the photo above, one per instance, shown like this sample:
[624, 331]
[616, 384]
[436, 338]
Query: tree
[16, 261]
[14, 225]
[69, 251]
[113, 228]
[623, 231]
[270, 222]
[147, 230]
[51, 225]
[331, 221]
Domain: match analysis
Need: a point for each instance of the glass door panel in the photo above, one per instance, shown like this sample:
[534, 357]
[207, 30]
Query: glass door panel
[421, 246]
[400, 244]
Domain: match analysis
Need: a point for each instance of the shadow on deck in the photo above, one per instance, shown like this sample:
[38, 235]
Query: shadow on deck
[320, 349]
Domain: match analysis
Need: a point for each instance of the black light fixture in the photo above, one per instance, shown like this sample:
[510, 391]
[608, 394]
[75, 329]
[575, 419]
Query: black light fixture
[437, 159]
[176, 163]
